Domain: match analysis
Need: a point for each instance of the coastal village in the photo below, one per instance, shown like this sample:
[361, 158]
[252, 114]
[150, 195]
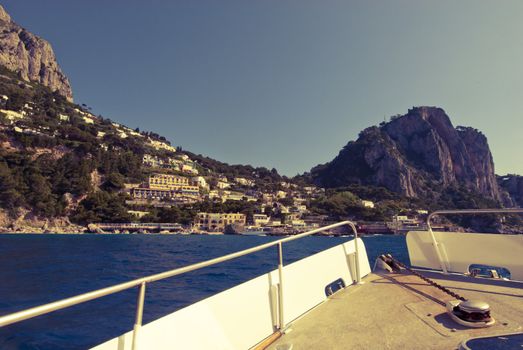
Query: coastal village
[175, 180]
[187, 186]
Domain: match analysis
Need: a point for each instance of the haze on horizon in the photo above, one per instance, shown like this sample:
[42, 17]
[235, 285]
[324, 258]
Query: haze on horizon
[287, 84]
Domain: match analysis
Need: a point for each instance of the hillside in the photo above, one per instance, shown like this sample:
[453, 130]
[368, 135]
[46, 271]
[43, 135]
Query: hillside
[59, 161]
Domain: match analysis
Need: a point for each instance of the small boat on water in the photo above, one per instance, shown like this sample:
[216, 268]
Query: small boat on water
[463, 290]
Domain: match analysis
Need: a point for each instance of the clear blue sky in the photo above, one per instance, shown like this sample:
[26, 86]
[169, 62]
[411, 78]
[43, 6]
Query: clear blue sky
[286, 84]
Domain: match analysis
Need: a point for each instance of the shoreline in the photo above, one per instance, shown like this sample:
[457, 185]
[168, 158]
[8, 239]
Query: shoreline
[46, 232]
[264, 234]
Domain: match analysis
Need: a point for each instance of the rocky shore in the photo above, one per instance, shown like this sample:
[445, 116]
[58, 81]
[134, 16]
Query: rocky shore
[26, 222]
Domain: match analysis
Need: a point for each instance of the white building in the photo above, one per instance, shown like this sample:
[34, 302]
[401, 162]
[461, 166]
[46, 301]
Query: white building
[88, 120]
[309, 189]
[223, 185]
[260, 219]
[281, 194]
[12, 115]
[200, 182]
[243, 181]
[157, 145]
[233, 196]
[189, 169]
[301, 208]
[298, 223]
[367, 204]
[214, 194]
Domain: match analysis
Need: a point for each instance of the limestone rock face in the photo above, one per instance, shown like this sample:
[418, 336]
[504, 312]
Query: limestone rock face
[415, 154]
[4, 16]
[480, 161]
[32, 57]
[512, 186]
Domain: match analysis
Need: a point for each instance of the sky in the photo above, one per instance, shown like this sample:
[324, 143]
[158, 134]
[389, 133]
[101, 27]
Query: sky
[287, 83]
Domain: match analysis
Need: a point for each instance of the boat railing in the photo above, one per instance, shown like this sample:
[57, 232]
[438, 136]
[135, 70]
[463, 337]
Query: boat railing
[435, 243]
[142, 282]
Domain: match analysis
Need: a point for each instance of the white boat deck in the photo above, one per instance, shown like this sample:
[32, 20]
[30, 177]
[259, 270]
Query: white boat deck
[400, 311]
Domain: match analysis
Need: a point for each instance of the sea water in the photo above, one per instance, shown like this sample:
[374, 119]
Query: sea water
[38, 269]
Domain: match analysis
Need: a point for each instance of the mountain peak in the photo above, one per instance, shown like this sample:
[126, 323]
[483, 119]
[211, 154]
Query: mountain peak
[426, 111]
[30, 56]
[4, 16]
[417, 155]
[433, 115]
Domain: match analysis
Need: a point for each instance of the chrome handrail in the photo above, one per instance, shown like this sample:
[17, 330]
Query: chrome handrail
[96, 294]
[461, 211]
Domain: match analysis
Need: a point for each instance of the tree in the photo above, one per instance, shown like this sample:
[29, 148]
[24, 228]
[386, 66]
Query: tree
[39, 194]
[10, 198]
[113, 182]
[101, 207]
[338, 204]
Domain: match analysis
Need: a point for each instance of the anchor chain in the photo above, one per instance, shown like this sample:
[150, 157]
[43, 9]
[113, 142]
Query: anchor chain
[388, 259]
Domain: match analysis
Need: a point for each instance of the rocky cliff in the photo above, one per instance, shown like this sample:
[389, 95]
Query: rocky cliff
[32, 57]
[512, 185]
[417, 155]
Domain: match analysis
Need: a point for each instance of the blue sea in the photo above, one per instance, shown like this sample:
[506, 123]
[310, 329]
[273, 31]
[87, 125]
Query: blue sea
[38, 269]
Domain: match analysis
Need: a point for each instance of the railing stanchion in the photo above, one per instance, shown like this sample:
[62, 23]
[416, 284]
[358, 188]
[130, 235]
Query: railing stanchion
[139, 316]
[280, 286]
[436, 246]
[357, 253]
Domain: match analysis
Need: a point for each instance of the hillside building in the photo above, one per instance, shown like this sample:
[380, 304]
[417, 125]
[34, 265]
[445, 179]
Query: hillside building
[181, 195]
[260, 219]
[367, 204]
[167, 187]
[281, 194]
[157, 145]
[244, 182]
[223, 185]
[189, 169]
[216, 222]
[168, 182]
[200, 182]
